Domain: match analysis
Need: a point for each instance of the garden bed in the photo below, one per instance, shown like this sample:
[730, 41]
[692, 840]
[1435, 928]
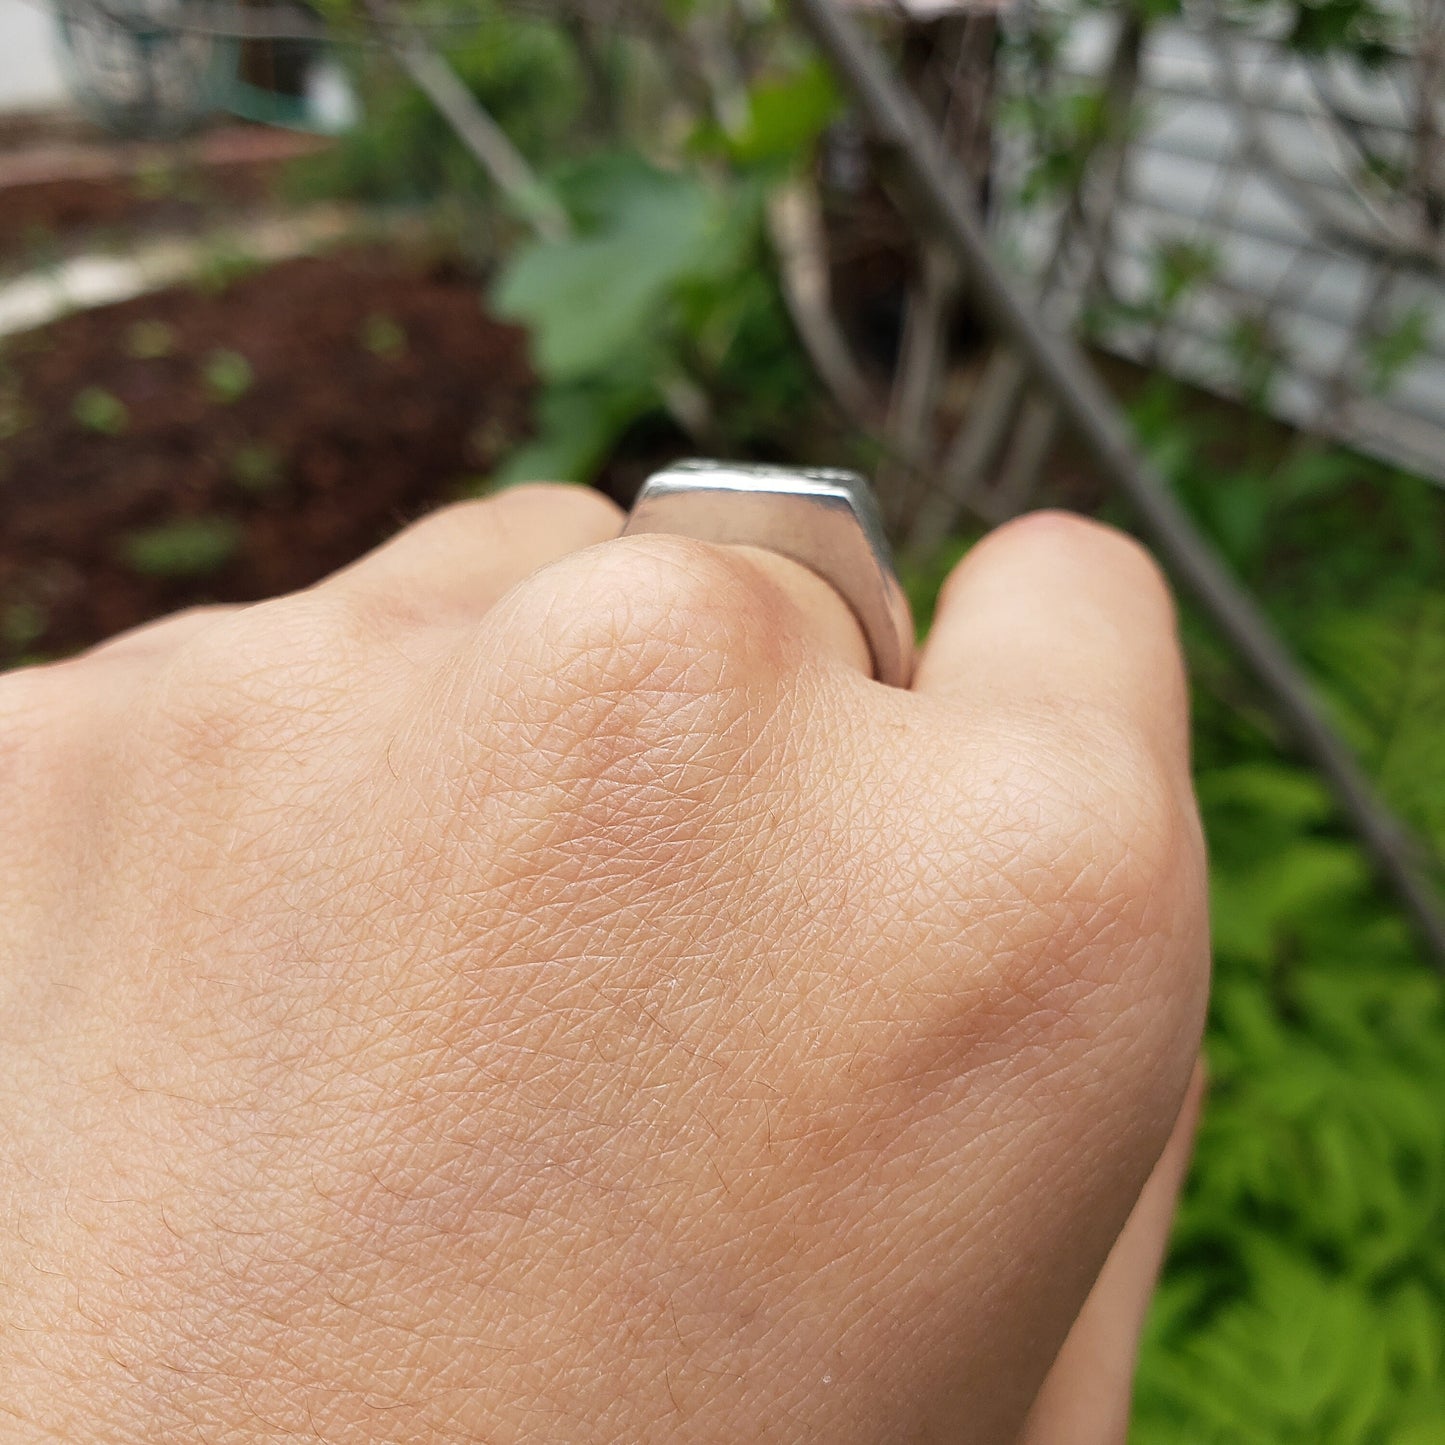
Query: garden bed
[65, 188]
[234, 442]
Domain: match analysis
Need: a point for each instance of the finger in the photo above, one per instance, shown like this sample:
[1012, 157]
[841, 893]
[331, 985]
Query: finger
[463, 558]
[1087, 1394]
[1065, 617]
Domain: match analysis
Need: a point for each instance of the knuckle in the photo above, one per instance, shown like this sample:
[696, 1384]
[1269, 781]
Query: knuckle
[658, 615]
[638, 673]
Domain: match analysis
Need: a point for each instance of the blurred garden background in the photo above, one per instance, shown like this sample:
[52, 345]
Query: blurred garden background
[277, 277]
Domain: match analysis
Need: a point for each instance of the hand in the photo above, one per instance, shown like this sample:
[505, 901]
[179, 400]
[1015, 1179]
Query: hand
[523, 989]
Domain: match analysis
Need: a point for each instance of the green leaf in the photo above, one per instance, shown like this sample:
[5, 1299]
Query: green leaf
[1180, 266]
[785, 117]
[1266, 790]
[192, 547]
[1313, 474]
[578, 424]
[100, 411]
[1394, 349]
[228, 376]
[150, 339]
[596, 298]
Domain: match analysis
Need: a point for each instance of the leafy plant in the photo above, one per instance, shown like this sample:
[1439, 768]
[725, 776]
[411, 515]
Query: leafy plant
[524, 71]
[1395, 347]
[257, 468]
[157, 179]
[188, 547]
[228, 376]
[148, 340]
[656, 284]
[221, 264]
[22, 623]
[383, 336]
[100, 411]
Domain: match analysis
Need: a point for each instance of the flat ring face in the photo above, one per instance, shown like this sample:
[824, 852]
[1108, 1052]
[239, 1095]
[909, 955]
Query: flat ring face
[823, 519]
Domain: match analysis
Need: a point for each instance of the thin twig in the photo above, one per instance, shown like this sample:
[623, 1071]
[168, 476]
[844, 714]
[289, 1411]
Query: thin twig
[489, 144]
[795, 228]
[1381, 234]
[1091, 216]
[1033, 441]
[976, 446]
[1060, 369]
[914, 402]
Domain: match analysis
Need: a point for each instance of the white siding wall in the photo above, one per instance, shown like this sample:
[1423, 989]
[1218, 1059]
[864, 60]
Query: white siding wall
[30, 74]
[1190, 178]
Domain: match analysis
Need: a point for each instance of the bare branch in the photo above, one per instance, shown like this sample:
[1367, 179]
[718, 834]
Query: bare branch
[795, 227]
[1089, 213]
[975, 447]
[1033, 440]
[914, 403]
[489, 144]
[1375, 230]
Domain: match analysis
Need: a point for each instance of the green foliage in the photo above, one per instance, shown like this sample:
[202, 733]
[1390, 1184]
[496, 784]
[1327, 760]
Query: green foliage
[228, 376]
[524, 72]
[1180, 267]
[147, 340]
[1064, 126]
[383, 337]
[1306, 1296]
[664, 279]
[22, 623]
[189, 547]
[592, 297]
[257, 468]
[1396, 346]
[1257, 355]
[158, 179]
[100, 411]
[786, 116]
[578, 423]
[1358, 28]
[221, 264]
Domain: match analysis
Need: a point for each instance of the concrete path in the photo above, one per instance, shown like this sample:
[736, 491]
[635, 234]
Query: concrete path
[40, 297]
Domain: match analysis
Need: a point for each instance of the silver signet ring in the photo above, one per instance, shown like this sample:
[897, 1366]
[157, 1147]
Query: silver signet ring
[824, 519]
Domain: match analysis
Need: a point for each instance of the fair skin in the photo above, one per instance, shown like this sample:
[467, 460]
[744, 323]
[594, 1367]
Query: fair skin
[536, 987]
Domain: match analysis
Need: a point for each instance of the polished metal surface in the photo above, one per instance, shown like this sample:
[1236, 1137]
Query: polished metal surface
[826, 520]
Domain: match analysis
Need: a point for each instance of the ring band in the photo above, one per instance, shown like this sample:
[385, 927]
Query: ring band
[825, 520]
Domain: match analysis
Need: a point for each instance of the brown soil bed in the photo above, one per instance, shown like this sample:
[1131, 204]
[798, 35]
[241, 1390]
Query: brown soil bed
[144, 468]
[64, 193]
